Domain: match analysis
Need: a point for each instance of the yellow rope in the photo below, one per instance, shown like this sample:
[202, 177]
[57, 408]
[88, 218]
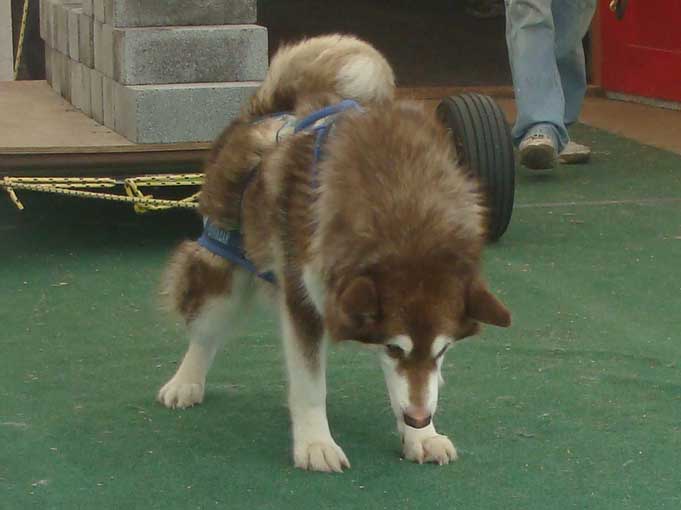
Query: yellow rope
[73, 186]
[22, 36]
[68, 182]
[13, 198]
[168, 180]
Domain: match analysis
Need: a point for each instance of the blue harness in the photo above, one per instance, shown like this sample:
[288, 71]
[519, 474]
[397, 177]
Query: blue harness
[228, 244]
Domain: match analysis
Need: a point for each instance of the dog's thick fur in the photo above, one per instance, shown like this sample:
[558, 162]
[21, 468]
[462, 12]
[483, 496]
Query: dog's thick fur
[381, 245]
[341, 64]
[327, 68]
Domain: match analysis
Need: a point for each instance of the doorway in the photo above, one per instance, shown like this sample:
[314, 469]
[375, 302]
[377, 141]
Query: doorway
[428, 43]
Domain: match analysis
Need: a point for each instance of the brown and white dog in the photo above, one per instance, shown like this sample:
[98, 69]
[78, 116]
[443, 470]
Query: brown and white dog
[380, 243]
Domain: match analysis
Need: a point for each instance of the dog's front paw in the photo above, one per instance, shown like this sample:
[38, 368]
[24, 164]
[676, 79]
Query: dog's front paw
[324, 456]
[428, 447]
[178, 393]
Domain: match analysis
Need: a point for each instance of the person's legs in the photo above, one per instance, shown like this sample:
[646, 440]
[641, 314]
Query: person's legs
[530, 36]
[571, 19]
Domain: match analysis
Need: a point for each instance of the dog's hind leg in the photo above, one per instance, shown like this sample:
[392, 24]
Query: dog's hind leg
[210, 294]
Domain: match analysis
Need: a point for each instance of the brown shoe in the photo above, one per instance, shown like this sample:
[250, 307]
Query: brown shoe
[538, 152]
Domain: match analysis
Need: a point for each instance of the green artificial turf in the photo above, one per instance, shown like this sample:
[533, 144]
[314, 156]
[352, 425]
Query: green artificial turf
[578, 405]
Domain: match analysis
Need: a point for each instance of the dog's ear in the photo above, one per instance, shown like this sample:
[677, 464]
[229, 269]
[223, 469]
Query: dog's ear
[484, 306]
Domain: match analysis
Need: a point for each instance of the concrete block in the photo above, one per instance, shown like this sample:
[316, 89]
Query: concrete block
[56, 71]
[98, 10]
[43, 14]
[109, 7]
[66, 77]
[76, 83]
[154, 13]
[63, 70]
[178, 112]
[96, 96]
[51, 9]
[74, 44]
[54, 22]
[104, 51]
[61, 25]
[87, 8]
[58, 65]
[87, 94]
[80, 87]
[108, 104]
[48, 65]
[224, 53]
[86, 41]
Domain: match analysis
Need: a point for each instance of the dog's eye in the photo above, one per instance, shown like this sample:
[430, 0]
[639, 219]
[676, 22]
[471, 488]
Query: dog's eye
[395, 351]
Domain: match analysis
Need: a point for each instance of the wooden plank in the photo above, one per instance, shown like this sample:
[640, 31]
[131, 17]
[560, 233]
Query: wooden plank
[34, 116]
[42, 134]
[111, 149]
[101, 163]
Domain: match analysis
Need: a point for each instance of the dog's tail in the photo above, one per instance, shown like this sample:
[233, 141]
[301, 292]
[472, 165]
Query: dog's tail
[334, 64]
[193, 277]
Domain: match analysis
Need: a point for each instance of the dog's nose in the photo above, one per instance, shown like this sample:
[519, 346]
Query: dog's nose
[417, 418]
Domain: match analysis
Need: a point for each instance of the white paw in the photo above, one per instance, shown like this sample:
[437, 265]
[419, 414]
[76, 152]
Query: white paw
[436, 448]
[177, 393]
[324, 456]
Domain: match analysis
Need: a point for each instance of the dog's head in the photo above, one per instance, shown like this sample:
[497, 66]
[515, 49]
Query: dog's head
[400, 237]
[411, 314]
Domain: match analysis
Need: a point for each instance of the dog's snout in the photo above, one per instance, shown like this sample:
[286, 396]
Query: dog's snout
[417, 420]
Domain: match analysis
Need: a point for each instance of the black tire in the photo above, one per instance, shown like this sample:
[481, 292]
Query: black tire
[483, 142]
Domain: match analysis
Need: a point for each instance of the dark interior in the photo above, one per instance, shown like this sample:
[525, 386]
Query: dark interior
[431, 42]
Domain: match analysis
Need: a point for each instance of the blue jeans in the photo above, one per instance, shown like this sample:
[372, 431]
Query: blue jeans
[544, 39]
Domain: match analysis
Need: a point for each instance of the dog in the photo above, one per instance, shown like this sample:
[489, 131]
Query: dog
[374, 236]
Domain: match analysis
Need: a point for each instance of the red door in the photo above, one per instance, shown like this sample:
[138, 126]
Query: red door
[642, 52]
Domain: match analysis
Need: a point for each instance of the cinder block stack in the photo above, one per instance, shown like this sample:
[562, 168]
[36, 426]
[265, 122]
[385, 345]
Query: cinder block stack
[156, 71]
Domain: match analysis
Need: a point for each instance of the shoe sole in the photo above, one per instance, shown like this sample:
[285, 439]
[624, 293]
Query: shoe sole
[539, 157]
[574, 159]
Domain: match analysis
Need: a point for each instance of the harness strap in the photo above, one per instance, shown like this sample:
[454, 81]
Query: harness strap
[320, 123]
[229, 245]
[329, 111]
